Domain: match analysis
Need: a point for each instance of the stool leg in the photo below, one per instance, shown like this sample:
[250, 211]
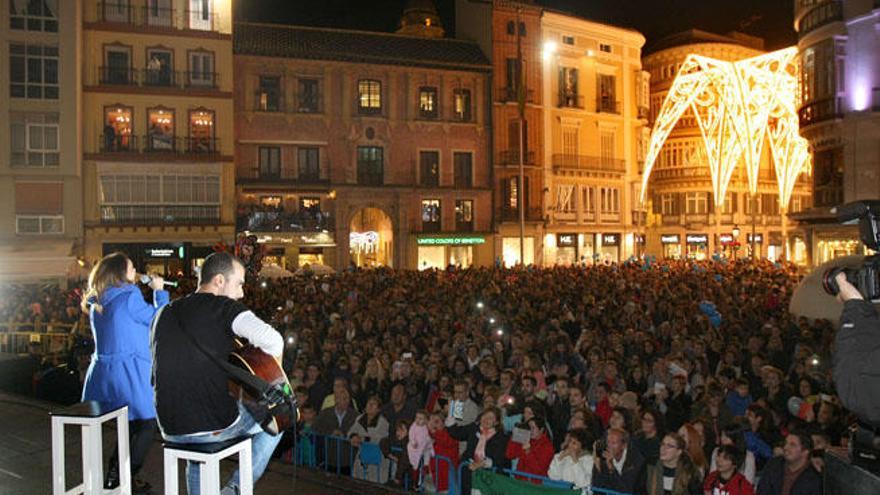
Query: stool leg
[210, 477]
[93, 469]
[58, 482]
[124, 455]
[171, 476]
[246, 469]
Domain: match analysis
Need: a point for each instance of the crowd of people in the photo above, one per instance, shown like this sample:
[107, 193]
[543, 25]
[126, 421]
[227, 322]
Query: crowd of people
[670, 377]
[277, 218]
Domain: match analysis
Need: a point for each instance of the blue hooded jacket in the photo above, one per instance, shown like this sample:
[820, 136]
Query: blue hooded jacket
[121, 366]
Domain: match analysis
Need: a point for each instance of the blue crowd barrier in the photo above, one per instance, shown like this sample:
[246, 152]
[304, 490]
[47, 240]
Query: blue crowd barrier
[307, 453]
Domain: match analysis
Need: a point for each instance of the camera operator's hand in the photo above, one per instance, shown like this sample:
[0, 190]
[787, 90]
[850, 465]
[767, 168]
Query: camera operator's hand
[157, 282]
[847, 290]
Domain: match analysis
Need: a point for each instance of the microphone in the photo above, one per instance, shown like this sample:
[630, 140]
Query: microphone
[145, 279]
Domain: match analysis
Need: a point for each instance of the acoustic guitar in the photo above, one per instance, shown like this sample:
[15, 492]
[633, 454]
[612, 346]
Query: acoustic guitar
[274, 416]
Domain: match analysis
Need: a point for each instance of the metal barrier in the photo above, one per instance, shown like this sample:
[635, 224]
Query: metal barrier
[316, 451]
[17, 337]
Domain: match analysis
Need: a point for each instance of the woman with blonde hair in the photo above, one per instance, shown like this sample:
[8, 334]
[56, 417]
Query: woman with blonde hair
[121, 367]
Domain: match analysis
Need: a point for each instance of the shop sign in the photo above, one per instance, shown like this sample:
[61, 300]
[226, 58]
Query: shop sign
[450, 241]
[566, 240]
[697, 238]
[670, 239]
[164, 252]
[610, 239]
[759, 238]
[725, 238]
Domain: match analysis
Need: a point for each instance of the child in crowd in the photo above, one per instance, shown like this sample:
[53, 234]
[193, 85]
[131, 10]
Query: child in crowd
[394, 447]
[443, 446]
[739, 399]
[419, 448]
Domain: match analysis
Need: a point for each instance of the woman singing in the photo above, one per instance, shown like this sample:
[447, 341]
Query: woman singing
[119, 374]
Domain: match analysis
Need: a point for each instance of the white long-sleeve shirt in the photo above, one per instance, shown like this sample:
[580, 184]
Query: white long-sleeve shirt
[258, 333]
[579, 473]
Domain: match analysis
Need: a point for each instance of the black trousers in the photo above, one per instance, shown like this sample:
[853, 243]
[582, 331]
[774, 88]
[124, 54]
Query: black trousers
[141, 433]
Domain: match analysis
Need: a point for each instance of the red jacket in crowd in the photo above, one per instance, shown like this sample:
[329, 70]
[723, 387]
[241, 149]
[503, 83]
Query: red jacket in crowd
[538, 458]
[446, 446]
[737, 485]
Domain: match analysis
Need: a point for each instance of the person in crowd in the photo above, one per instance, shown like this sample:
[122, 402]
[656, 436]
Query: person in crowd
[419, 448]
[444, 446]
[119, 374]
[739, 399]
[486, 444]
[674, 473]
[761, 437]
[462, 409]
[192, 391]
[370, 427]
[336, 421]
[617, 466]
[734, 436]
[536, 453]
[648, 439]
[574, 462]
[792, 473]
[694, 441]
[726, 478]
[393, 447]
[398, 407]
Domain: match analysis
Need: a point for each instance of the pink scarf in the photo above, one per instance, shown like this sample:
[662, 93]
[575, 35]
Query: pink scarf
[480, 451]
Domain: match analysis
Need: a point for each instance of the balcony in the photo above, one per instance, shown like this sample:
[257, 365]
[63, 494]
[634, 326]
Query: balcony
[155, 17]
[255, 176]
[157, 78]
[159, 144]
[591, 163]
[265, 101]
[533, 214]
[570, 100]
[510, 94]
[820, 15]
[672, 173]
[160, 214]
[671, 220]
[819, 111]
[511, 158]
[304, 220]
[607, 105]
[696, 218]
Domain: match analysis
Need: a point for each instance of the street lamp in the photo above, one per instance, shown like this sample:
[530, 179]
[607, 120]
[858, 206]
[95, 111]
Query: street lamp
[735, 233]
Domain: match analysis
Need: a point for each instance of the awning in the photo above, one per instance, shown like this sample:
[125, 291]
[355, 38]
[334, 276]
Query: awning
[38, 260]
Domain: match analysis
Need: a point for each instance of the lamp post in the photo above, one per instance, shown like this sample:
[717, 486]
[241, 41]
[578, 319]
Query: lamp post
[735, 234]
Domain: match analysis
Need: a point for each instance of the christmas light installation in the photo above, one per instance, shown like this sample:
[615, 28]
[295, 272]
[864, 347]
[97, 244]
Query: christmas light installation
[732, 103]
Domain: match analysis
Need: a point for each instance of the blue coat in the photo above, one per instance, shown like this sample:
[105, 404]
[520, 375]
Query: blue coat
[122, 363]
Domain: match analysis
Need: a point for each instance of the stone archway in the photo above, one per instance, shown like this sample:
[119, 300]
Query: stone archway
[371, 238]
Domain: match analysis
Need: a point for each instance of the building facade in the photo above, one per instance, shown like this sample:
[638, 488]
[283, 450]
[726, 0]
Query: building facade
[682, 219]
[595, 107]
[40, 167]
[508, 32]
[157, 131]
[839, 113]
[362, 147]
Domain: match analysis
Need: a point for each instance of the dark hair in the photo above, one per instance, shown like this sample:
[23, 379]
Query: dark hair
[732, 453]
[736, 433]
[529, 378]
[219, 263]
[539, 422]
[804, 437]
[659, 420]
[627, 417]
[582, 436]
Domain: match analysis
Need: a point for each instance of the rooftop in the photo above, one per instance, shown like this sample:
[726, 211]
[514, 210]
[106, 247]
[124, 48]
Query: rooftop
[694, 36]
[275, 40]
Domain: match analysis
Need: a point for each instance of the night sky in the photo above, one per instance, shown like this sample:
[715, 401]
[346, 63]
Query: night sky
[769, 19]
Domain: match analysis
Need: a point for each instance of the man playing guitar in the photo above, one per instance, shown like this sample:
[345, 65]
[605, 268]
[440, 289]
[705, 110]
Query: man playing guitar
[193, 401]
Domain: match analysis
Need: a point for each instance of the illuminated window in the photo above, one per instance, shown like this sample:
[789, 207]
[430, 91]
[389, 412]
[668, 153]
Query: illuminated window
[428, 102]
[461, 103]
[118, 132]
[464, 215]
[431, 215]
[369, 96]
[160, 137]
[201, 132]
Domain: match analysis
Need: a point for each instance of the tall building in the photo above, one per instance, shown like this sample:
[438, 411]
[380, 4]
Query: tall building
[157, 130]
[40, 166]
[363, 147]
[681, 220]
[839, 101]
[595, 107]
[509, 32]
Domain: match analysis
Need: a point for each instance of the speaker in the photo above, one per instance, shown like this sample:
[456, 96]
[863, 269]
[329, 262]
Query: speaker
[844, 478]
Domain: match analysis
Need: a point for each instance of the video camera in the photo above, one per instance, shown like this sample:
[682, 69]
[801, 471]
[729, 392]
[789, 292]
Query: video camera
[865, 278]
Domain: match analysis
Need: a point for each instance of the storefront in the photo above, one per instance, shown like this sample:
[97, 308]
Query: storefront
[441, 251]
[775, 248]
[510, 251]
[671, 246]
[759, 244]
[697, 246]
[566, 249]
[168, 260]
[610, 250]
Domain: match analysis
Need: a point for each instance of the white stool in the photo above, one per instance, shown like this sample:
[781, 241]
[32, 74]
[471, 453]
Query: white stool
[209, 455]
[90, 416]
